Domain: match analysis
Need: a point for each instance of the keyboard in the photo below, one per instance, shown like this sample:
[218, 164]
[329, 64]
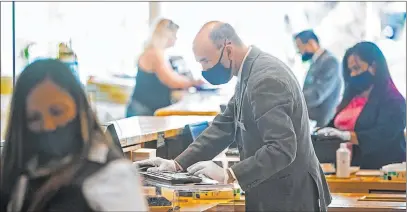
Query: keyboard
[316, 137]
[158, 201]
[232, 152]
[171, 177]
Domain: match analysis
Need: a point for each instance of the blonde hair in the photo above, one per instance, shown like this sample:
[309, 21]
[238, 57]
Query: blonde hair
[162, 30]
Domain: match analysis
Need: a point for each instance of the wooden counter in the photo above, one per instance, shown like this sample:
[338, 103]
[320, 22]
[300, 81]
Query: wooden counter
[351, 202]
[357, 184]
[204, 103]
[341, 202]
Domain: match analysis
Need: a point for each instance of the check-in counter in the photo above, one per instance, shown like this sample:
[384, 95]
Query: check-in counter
[136, 132]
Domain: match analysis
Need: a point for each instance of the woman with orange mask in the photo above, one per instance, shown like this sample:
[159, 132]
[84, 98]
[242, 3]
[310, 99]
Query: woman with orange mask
[56, 156]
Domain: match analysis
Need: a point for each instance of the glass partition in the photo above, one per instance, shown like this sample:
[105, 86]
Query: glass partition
[6, 82]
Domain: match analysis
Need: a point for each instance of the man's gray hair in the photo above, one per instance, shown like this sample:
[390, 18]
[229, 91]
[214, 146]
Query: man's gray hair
[224, 32]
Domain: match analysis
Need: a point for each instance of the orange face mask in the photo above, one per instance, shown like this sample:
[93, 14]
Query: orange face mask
[51, 117]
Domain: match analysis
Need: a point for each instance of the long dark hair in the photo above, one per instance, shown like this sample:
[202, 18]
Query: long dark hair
[18, 148]
[369, 53]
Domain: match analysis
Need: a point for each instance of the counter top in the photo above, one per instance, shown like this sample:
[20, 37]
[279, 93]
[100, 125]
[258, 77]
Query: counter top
[203, 103]
[364, 184]
[351, 202]
[140, 129]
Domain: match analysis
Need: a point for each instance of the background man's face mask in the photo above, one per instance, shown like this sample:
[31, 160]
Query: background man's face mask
[306, 56]
[218, 74]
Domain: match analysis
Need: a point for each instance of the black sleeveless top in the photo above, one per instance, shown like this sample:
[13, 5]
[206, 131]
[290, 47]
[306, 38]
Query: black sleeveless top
[150, 91]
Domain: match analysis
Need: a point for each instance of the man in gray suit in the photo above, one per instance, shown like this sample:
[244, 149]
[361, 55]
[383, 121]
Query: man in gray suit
[266, 117]
[323, 83]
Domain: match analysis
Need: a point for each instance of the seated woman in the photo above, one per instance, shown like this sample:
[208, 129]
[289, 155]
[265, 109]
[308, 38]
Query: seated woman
[155, 77]
[372, 114]
[56, 156]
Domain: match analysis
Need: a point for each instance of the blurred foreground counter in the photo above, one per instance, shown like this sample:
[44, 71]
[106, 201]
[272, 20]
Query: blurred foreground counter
[6, 85]
[201, 103]
[5, 107]
[111, 89]
[112, 94]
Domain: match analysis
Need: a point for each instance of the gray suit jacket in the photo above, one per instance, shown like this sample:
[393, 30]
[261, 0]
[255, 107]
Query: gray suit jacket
[268, 119]
[322, 88]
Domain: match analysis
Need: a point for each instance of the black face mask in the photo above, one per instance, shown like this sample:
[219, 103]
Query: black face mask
[59, 143]
[306, 56]
[218, 74]
[362, 81]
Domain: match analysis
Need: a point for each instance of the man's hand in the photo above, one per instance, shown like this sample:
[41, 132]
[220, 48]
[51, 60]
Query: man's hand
[209, 169]
[159, 164]
[329, 131]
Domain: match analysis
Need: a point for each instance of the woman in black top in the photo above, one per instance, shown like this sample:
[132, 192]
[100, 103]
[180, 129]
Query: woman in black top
[56, 156]
[155, 77]
[372, 114]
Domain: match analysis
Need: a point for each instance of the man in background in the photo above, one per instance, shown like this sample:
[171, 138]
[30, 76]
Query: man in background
[323, 83]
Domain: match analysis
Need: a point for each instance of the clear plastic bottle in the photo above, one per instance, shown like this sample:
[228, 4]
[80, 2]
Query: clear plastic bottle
[343, 161]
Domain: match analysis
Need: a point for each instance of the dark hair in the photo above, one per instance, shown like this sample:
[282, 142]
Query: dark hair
[224, 32]
[18, 150]
[306, 36]
[369, 53]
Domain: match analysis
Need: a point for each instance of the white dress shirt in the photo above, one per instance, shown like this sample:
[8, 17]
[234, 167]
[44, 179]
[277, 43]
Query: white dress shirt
[317, 54]
[239, 76]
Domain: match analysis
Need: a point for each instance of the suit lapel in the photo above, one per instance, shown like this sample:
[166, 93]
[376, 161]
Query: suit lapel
[246, 70]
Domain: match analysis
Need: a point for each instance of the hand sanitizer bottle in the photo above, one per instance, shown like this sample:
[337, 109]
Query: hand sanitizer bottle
[343, 162]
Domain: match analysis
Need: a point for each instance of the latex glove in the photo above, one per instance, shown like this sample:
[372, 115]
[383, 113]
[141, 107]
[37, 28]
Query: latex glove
[329, 131]
[209, 169]
[159, 163]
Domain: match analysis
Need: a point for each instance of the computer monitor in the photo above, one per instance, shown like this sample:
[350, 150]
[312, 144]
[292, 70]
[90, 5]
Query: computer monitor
[196, 129]
[325, 149]
[115, 138]
[179, 65]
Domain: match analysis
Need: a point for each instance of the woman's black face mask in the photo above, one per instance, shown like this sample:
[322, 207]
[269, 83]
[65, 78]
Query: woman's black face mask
[59, 143]
[362, 82]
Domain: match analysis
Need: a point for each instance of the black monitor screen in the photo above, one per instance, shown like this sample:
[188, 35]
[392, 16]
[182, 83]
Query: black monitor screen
[112, 130]
[197, 129]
